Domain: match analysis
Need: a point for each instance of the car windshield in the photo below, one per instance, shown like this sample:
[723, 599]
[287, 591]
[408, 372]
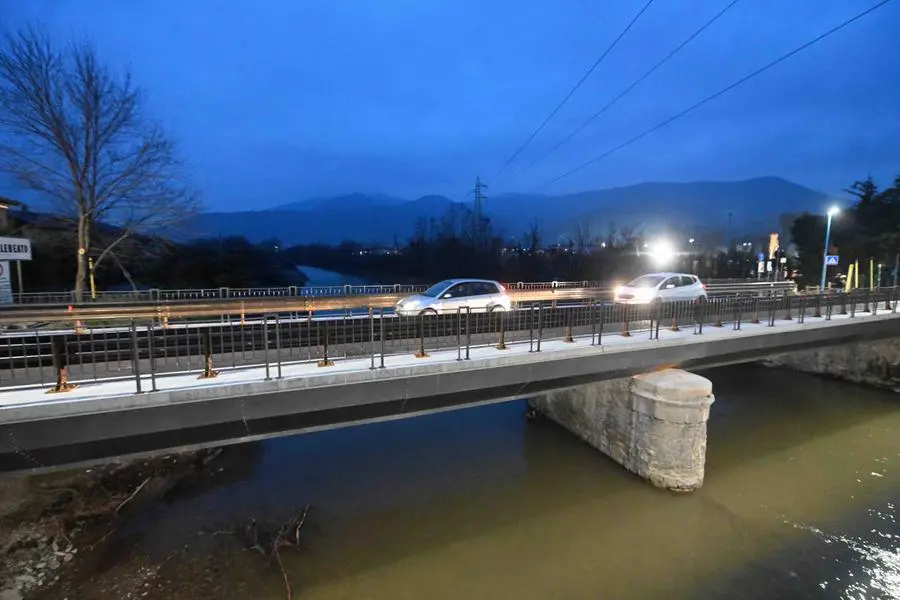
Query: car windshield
[435, 290]
[646, 281]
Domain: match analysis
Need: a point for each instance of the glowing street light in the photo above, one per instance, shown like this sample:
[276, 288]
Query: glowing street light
[662, 253]
[831, 212]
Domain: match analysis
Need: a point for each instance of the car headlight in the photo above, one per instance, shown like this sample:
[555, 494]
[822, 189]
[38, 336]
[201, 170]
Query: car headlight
[617, 291]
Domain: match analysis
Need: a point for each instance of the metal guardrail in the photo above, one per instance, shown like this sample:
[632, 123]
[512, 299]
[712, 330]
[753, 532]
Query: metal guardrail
[142, 352]
[226, 293]
[165, 311]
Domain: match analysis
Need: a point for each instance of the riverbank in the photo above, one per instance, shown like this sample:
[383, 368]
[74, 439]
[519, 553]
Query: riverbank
[57, 530]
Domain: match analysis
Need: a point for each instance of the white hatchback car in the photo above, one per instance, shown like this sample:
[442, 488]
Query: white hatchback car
[479, 295]
[663, 287]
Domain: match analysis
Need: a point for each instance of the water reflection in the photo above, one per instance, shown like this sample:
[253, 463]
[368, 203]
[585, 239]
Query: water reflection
[871, 568]
[479, 503]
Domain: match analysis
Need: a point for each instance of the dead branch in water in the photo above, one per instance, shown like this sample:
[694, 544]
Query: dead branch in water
[131, 497]
[268, 541]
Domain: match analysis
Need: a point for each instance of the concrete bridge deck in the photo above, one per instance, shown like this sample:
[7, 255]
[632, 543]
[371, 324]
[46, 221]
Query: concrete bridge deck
[106, 419]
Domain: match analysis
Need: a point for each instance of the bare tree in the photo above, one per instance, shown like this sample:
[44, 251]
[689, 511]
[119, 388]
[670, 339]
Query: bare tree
[532, 237]
[583, 236]
[74, 131]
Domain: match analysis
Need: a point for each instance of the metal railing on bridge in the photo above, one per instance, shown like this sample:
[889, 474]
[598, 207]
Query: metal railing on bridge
[142, 352]
[225, 293]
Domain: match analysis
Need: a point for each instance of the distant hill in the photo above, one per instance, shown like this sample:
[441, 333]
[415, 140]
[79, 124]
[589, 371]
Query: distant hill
[755, 205]
[329, 221]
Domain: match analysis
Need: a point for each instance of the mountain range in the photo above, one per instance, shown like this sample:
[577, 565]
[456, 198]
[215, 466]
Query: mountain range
[748, 207]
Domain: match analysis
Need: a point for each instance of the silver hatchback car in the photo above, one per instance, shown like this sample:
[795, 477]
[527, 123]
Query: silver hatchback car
[661, 287]
[479, 295]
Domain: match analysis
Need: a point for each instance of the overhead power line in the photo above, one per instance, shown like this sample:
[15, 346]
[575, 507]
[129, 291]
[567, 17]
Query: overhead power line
[635, 84]
[577, 85]
[724, 90]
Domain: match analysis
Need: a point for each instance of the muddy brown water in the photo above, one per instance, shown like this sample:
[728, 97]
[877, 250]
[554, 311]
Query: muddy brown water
[800, 501]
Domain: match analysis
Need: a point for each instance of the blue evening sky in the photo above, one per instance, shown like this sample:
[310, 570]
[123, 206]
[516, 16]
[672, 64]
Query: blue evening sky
[280, 100]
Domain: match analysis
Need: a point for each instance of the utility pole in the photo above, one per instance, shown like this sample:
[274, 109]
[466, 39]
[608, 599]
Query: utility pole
[478, 192]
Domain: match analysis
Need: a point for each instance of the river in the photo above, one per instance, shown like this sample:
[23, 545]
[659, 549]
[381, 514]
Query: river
[800, 501]
[323, 277]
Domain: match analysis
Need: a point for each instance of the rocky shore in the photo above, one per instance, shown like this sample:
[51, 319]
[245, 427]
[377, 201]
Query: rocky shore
[54, 529]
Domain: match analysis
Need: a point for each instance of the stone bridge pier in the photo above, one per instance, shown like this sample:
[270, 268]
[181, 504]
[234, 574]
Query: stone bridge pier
[653, 424]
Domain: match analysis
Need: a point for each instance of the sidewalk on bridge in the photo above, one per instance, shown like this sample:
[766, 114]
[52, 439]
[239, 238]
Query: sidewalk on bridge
[481, 357]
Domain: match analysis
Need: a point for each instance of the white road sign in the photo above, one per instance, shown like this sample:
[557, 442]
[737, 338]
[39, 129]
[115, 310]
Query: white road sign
[6, 293]
[15, 248]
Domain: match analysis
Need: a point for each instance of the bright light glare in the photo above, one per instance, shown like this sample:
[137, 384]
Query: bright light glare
[662, 252]
[833, 211]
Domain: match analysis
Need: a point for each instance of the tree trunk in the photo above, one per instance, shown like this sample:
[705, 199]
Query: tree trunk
[81, 256]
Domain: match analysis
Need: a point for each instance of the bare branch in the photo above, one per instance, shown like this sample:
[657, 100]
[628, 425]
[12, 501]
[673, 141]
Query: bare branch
[73, 131]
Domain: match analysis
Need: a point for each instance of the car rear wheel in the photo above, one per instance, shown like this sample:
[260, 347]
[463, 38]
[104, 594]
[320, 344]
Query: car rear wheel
[496, 309]
[428, 312]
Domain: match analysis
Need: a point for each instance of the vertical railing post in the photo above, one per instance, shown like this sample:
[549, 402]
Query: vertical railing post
[60, 365]
[540, 332]
[801, 309]
[277, 345]
[372, 338]
[420, 353]
[265, 326]
[381, 338]
[459, 326]
[625, 331]
[206, 346]
[135, 360]
[151, 350]
[700, 314]
[531, 329]
[325, 362]
[501, 345]
[567, 335]
[755, 310]
[601, 322]
[468, 331]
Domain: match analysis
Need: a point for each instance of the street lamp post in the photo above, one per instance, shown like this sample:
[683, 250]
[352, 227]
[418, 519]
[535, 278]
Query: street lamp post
[831, 212]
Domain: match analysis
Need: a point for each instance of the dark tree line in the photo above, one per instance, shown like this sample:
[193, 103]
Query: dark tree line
[456, 246]
[868, 230]
[144, 262]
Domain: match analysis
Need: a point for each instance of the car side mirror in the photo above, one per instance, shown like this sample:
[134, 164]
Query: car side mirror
[670, 286]
[448, 295]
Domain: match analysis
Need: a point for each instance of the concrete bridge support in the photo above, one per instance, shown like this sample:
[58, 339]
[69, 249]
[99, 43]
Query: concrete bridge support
[653, 424]
[874, 363]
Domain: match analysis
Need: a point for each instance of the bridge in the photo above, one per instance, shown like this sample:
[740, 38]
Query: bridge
[308, 374]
